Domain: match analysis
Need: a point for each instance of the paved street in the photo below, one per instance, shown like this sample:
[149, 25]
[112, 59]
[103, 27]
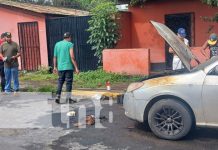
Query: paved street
[31, 122]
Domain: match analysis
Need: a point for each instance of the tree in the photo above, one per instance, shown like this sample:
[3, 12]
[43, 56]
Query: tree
[103, 27]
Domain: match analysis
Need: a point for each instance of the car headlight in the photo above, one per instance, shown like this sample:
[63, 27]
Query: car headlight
[134, 86]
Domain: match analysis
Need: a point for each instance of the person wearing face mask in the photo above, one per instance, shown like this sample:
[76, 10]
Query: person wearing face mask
[212, 44]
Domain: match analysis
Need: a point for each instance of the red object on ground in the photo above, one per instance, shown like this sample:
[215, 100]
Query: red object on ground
[108, 85]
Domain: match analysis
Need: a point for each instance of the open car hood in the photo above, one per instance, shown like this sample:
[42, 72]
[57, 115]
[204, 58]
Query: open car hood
[183, 52]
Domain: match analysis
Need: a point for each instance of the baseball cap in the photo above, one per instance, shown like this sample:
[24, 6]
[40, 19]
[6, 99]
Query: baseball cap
[182, 32]
[67, 35]
[8, 34]
[3, 35]
[213, 39]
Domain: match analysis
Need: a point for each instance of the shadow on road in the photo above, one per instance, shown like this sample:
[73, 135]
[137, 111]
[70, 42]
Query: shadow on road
[196, 134]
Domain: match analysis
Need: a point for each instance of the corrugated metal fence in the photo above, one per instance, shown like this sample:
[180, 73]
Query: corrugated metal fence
[77, 26]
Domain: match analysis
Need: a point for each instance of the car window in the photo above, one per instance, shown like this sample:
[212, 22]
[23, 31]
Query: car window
[214, 71]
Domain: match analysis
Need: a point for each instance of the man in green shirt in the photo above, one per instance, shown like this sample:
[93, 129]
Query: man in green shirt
[10, 52]
[65, 64]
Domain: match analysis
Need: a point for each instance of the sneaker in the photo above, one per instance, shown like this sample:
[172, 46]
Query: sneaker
[70, 100]
[57, 99]
[16, 92]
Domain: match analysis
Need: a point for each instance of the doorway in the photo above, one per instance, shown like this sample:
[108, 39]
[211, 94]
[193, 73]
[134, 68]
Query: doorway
[29, 45]
[174, 22]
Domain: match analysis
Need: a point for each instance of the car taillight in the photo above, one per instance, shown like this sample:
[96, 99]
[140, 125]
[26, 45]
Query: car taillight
[134, 86]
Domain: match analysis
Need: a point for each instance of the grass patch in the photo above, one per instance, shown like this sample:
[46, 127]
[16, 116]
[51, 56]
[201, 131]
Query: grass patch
[43, 88]
[37, 76]
[46, 88]
[97, 78]
[89, 79]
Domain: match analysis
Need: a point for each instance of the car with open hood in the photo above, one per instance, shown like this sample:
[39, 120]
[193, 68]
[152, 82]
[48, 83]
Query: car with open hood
[173, 103]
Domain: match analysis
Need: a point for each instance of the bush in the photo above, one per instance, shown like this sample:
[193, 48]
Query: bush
[103, 28]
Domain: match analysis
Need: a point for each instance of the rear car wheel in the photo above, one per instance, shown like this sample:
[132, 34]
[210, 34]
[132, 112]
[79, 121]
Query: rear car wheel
[170, 119]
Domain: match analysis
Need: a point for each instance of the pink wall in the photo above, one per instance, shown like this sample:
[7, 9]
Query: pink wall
[143, 34]
[127, 61]
[8, 22]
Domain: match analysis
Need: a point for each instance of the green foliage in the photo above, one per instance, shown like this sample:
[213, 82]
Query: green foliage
[97, 78]
[46, 88]
[103, 27]
[40, 75]
[137, 2]
[211, 2]
[40, 82]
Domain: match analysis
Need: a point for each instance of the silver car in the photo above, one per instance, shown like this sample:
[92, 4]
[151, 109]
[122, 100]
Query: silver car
[173, 103]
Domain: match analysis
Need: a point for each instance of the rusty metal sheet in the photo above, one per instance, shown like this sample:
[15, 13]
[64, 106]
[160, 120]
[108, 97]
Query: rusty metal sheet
[183, 52]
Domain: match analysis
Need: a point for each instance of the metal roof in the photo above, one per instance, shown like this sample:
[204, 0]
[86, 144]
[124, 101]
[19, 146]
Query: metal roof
[44, 9]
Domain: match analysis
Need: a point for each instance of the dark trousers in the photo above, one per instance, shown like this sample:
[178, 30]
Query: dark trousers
[2, 76]
[66, 75]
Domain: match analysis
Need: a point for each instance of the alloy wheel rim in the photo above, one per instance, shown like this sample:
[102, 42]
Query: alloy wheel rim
[168, 121]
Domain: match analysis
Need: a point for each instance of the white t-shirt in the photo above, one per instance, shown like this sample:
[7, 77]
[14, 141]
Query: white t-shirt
[177, 63]
[186, 42]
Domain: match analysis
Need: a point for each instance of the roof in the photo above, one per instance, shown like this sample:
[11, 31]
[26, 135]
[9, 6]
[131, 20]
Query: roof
[44, 9]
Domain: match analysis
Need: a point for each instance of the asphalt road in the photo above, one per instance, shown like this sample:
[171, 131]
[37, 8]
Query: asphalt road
[44, 128]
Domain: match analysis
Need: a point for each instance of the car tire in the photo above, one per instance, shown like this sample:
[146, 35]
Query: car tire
[170, 119]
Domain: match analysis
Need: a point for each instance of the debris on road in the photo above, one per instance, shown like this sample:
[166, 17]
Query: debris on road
[71, 114]
[89, 120]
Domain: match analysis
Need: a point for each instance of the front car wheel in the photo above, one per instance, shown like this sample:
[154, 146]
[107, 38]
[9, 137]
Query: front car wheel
[170, 119]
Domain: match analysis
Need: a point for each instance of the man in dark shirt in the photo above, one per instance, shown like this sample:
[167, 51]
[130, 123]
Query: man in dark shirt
[10, 51]
[2, 74]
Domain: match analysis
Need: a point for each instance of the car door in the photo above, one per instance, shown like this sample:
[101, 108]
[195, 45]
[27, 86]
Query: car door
[210, 97]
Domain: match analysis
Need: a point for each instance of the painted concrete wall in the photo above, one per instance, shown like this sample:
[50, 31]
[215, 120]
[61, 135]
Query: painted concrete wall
[8, 23]
[127, 61]
[143, 35]
[197, 52]
[137, 61]
[125, 30]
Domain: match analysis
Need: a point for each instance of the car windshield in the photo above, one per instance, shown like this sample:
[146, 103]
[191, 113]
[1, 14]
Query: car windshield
[205, 64]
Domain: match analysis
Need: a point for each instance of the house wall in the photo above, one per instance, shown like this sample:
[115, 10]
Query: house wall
[9, 19]
[127, 61]
[125, 30]
[143, 34]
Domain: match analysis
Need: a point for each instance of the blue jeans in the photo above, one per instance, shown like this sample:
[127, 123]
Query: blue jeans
[66, 75]
[11, 73]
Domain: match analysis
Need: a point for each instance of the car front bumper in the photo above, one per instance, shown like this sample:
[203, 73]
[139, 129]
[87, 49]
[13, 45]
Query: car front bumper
[134, 108]
[129, 105]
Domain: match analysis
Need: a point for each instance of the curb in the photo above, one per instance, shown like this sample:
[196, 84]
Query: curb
[90, 94]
